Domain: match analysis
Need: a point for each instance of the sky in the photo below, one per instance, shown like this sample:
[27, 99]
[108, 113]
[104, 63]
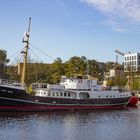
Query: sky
[67, 28]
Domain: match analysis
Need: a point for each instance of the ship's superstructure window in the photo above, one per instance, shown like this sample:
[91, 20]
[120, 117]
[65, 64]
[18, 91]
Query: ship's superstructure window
[57, 94]
[68, 94]
[53, 93]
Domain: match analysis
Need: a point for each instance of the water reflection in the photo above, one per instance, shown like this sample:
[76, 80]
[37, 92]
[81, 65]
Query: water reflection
[71, 125]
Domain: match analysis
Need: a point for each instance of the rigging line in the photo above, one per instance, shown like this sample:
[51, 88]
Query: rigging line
[38, 58]
[18, 59]
[15, 53]
[42, 52]
[35, 64]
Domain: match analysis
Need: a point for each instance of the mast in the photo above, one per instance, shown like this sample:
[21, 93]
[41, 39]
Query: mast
[25, 53]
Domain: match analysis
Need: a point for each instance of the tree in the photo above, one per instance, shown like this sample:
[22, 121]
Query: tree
[57, 70]
[3, 56]
[109, 65]
[3, 61]
[136, 83]
[76, 66]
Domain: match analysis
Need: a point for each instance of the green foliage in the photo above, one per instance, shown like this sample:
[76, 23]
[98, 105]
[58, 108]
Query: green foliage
[3, 56]
[12, 72]
[109, 82]
[136, 83]
[51, 73]
[76, 66]
[3, 61]
[117, 81]
[109, 65]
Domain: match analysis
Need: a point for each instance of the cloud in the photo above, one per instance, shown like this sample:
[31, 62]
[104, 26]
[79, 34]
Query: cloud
[120, 14]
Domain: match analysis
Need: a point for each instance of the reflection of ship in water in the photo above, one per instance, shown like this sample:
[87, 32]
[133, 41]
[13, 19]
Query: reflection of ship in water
[72, 93]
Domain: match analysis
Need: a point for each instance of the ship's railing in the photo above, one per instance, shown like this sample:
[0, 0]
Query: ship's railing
[6, 82]
[10, 83]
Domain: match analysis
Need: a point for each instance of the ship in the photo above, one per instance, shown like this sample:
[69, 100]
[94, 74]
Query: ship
[72, 93]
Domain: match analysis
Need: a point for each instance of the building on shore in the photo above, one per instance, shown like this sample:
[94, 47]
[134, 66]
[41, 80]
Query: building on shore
[132, 62]
[114, 75]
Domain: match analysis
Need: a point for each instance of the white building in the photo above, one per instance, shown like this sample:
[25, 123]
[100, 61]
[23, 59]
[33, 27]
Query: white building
[114, 73]
[132, 62]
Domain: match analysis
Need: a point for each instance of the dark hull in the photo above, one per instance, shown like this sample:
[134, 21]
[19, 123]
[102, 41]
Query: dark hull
[18, 100]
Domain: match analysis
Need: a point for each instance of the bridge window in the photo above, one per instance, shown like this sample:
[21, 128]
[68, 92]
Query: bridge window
[49, 94]
[57, 94]
[53, 94]
[68, 94]
[65, 94]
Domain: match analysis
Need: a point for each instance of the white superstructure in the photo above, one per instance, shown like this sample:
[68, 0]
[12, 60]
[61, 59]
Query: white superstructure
[80, 84]
[78, 88]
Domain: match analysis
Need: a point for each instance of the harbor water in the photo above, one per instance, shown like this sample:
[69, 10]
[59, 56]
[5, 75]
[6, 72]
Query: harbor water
[71, 125]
